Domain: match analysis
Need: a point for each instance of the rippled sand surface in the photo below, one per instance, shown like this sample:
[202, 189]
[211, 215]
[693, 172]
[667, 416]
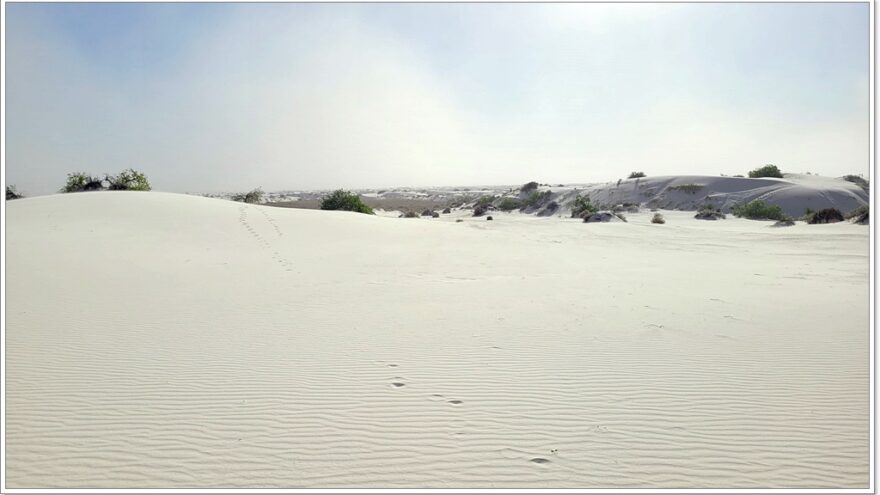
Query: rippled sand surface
[167, 341]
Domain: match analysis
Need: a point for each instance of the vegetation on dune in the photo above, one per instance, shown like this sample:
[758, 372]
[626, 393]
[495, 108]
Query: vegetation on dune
[536, 199]
[636, 175]
[658, 218]
[759, 210]
[768, 170]
[529, 187]
[710, 212]
[857, 180]
[11, 193]
[581, 206]
[344, 200]
[127, 180]
[253, 196]
[689, 188]
[485, 201]
[480, 210]
[509, 204]
[860, 215]
[827, 215]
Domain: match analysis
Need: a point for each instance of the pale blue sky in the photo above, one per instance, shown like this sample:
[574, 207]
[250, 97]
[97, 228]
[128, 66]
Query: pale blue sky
[219, 97]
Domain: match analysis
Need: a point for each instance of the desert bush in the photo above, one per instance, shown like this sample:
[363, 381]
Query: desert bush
[484, 201]
[529, 187]
[409, 214]
[759, 210]
[636, 175]
[447, 210]
[857, 180]
[860, 215]
[434, 214]
[344, 200]
[582, 205]
[253, 196]
[480, 210]
[129, 180]
[827, 215]
[489, 217]
[689, 188]
[536, 199]
[508, 204]
[427, 213]
[11, 193]
[658, 218]
[857, 212]
[709, 212]
[768, 170]
[79, 181]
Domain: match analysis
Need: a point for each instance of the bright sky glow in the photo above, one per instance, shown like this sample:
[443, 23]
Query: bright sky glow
[227, 97]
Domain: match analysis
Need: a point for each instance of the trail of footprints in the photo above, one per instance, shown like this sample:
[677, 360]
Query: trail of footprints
[276, 256]
[398, 382]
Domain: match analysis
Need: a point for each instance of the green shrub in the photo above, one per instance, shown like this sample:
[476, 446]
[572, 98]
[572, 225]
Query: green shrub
[11, 193]
[536, 199]
[690, 188]
[857, 180]
[710, 212]
[79, 181]
[768, 170]
[861, 210]
[529, 187]
[254, 196]
[485, 201]
[582, 205]
[827, 215]
[658, 218]
[344, 200]
[636, 175]
[759, 210]
[129, 180]
[860, 215]
[508, 204]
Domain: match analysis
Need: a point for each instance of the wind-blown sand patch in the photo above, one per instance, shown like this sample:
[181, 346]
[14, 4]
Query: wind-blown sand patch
[160, 340]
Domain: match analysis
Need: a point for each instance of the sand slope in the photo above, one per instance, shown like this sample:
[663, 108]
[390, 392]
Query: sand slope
[794, 194]
[160, 340]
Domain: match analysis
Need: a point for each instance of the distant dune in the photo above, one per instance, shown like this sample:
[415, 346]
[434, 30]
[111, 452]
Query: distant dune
[168, 341]
[795, 193]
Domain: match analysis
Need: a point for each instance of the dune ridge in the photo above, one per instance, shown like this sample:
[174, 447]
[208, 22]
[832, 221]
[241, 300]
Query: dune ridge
[166, 341]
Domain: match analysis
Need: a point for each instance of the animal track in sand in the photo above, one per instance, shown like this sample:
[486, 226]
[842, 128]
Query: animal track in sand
[540, 460]
[455, 401]
[398, 384]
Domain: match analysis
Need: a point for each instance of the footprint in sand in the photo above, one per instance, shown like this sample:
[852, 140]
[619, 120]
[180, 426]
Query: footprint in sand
[540, 460]
[398, 384]
[454, 401]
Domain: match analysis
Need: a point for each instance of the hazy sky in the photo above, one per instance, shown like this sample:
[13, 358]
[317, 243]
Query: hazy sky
[224, 97]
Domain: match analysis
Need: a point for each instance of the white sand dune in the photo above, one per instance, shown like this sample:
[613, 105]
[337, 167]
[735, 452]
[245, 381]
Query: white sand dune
[167, 341]
[794, 193]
